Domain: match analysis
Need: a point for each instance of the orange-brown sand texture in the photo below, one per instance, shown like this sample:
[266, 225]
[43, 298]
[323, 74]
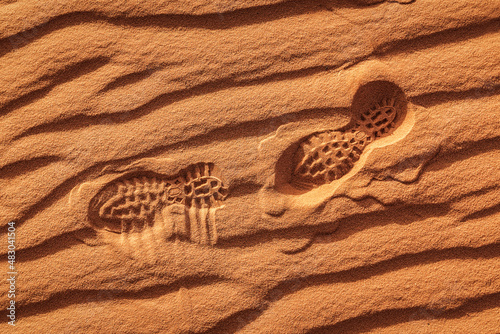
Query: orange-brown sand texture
[263, 166]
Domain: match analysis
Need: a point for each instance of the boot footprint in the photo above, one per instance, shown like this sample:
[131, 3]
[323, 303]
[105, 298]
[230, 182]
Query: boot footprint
[378, 108]
[134, 203]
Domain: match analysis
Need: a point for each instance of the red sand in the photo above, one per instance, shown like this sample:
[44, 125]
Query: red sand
[151, 157]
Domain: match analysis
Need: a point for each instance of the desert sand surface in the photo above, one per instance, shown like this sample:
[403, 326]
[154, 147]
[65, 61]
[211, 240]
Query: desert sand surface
[263, 166]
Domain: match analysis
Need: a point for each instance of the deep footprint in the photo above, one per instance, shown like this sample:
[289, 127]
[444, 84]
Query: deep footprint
[327, 156]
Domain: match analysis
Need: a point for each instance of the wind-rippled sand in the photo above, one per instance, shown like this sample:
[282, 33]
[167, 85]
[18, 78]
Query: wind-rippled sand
[140, 107]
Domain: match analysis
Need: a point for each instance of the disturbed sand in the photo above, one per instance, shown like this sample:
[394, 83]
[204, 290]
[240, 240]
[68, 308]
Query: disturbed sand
[205, 166]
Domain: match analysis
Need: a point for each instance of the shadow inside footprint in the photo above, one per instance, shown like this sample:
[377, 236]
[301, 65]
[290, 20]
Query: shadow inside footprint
[378, 108]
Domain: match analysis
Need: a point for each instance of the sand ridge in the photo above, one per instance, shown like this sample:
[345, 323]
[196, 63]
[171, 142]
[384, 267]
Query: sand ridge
[150, 157]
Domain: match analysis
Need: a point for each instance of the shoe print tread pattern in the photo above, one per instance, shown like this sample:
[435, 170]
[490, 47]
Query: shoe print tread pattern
[327, 156]
[135, 202]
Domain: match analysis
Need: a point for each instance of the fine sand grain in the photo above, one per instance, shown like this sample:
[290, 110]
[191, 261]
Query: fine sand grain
[263, 166]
